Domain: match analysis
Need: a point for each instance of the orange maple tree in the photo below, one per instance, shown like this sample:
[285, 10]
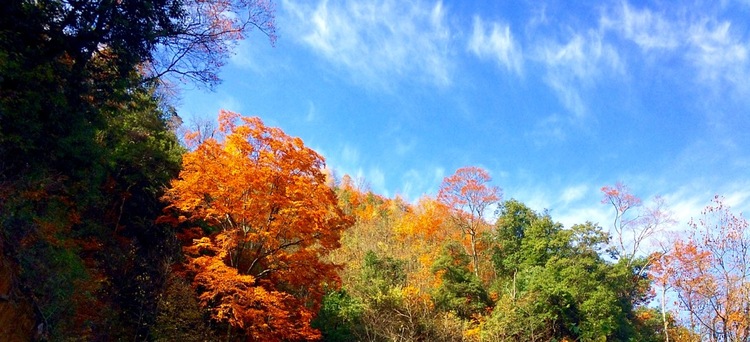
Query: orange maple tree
[268, 218]
[468, 194]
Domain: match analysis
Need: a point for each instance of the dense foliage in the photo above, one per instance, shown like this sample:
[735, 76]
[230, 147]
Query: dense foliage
[269, 218]
[114, 228]
[86, 150]
[543, 282]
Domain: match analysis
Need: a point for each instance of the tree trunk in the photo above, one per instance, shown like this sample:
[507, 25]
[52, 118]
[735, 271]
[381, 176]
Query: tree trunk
[664, 312]
[474, 255]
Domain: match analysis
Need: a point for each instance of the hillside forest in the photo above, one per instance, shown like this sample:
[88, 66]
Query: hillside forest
[119, 222]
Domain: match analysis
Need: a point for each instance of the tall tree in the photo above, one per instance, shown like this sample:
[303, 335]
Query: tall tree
[64, 63]
[710, 271]
[633, 223]
[269, 218]
[85, 151]
[468, 193]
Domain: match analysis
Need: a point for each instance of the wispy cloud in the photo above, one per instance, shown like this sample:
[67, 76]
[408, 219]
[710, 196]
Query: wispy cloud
[416, 183]
[706, 42]
[376, 178]
[597, 214]
[648, 29]
[684, 204]
[551, 129]
[720, 55]
[377, 41]
[703, 51]
[349, 155]
[574, 193]
[230, 103]
[403, 146]
[576, 65]
[688, 200]
[311, 112]
[257, 55]
[496, 42]
[569, 205]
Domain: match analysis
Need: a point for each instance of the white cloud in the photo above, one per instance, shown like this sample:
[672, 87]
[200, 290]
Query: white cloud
[685, 204]
[438, 175]
[311, 112]
[417, 183]
[570, 205]
[496, 42]
[595, 213]
[536, 196]
[550, 130]
[377, 41]
[719, 55]
[230, 103]
[376, 178]
[738, 199]
[574, 193]
[575, 66]
[246, 58]
[647, 29]
[403, 147]
[409, 183]
[349, 155]
[689, 200]
[583, 58]
[258, 55]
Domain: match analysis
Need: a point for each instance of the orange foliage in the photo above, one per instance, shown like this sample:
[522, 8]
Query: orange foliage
[361, 203]
[426, 221]
[271, 217]
[423, 229]
[709, 270]
[468, 195]
[467, 191]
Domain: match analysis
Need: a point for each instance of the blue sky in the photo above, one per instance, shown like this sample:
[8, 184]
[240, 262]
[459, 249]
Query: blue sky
[554, 98]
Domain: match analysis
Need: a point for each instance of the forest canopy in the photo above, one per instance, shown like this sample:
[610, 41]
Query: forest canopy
[114, 226]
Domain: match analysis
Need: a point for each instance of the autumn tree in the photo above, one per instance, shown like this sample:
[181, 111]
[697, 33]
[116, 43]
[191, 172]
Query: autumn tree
[86, 150]
[633, 223]
[468, 193]
[408, 276]
[196, 49]
[389, 285]
[709, 270]
[268, 219]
